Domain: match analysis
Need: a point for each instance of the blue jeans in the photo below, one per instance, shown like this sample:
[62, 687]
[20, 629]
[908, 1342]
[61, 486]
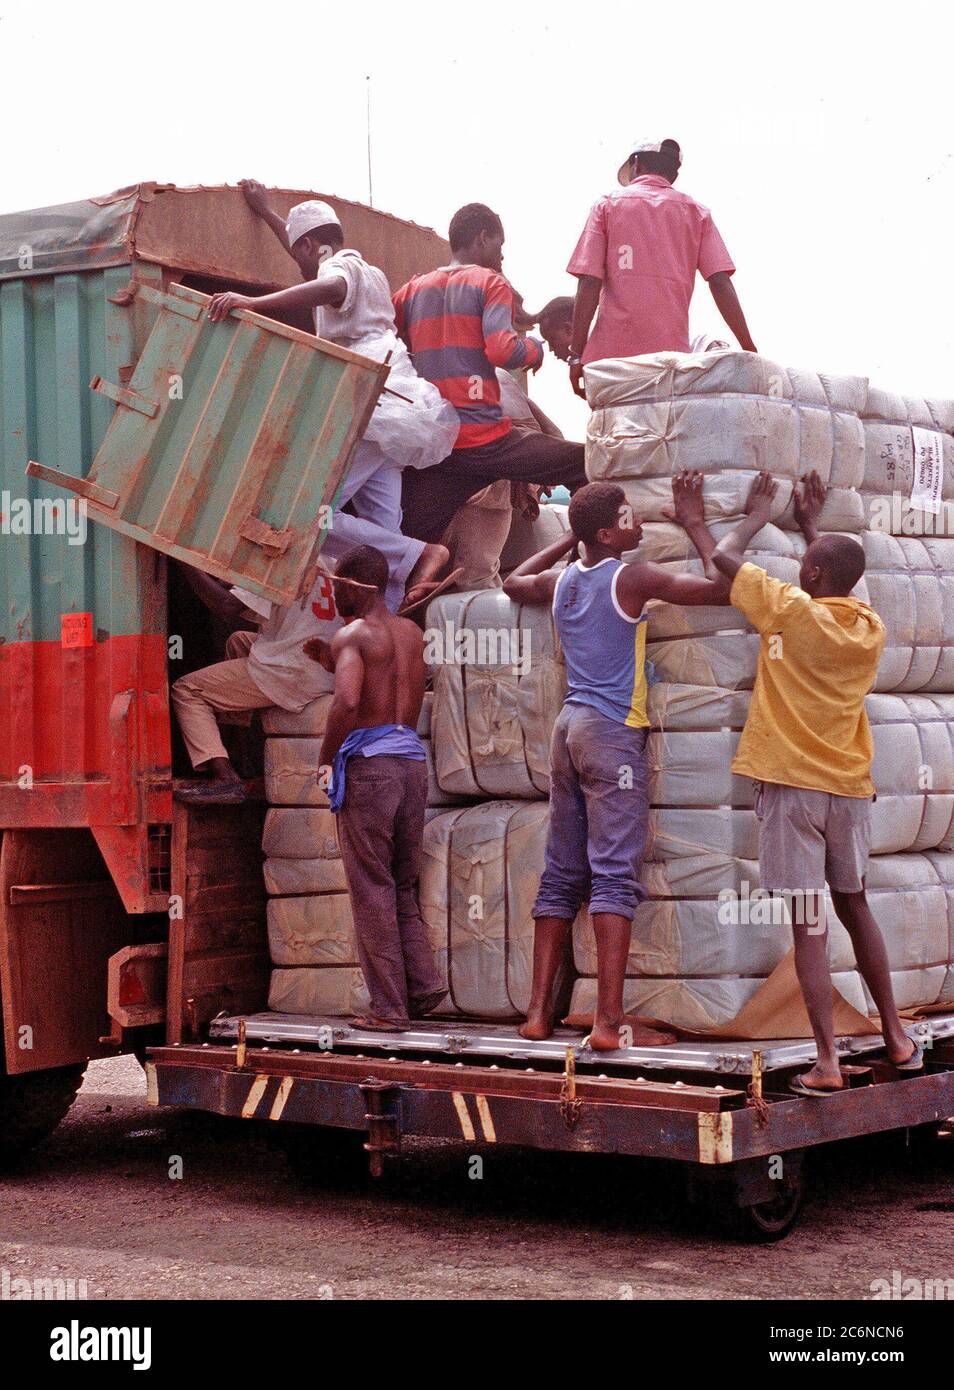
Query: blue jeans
[599, 806]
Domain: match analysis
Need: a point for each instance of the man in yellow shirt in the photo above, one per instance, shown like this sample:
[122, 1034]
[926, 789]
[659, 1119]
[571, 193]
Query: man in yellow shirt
[807, 745]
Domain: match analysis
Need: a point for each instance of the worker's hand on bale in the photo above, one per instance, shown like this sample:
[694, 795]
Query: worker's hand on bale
[255, 195]
[761, 496]
[223, 304]
[687, 506]
[808, 499]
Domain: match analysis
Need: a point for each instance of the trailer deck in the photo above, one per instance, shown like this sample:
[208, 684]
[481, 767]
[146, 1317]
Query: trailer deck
[501, 1041]
[723, 1112]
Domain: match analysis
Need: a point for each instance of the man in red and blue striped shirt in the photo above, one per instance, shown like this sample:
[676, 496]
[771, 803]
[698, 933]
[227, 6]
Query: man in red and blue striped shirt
[458, 325]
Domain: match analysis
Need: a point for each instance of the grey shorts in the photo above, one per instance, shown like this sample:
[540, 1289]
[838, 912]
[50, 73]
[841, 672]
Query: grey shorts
[808, 838]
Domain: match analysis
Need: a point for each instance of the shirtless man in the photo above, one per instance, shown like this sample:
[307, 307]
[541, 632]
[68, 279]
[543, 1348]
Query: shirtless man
[373, 765]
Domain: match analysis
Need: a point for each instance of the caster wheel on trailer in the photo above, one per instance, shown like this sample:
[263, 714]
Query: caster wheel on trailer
[769, 1221]
[31, 1106]
[744, 1206]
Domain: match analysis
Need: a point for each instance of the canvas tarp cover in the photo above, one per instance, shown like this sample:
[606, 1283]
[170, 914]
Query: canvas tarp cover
[205, 231]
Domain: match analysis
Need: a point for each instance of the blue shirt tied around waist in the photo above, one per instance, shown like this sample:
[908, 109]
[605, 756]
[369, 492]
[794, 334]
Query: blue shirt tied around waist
[391, 740]
[603, 647]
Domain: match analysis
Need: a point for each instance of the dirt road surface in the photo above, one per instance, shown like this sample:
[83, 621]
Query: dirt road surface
[97, 1203]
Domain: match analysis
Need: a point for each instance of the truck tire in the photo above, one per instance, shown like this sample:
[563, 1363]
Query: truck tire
[31, 1106]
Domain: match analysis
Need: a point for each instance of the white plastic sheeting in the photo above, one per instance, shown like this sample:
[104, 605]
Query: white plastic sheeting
[498, 689]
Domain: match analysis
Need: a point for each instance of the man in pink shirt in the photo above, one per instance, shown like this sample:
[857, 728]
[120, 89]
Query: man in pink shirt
[637, 260]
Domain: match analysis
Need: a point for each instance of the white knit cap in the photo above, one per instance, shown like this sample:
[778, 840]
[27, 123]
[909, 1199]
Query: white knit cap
[305, 217]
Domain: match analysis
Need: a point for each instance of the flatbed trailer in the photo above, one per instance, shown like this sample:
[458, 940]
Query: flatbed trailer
[721, 1110]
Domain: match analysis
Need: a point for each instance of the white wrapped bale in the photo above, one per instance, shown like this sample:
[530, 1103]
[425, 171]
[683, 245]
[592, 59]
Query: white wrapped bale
[913, 773]
[664, 541]
[693, 769]
[703, 1004]
[283, 876]
[527, 537]
[480, 875]
[325, 991]
[682, 707]
[291, 772]
[309, 722]
[312, 930]
[692, 1005]
[499, 686]
[293, 832]
[730, 415]
[706, 917]
[911, 586]
[909, 455]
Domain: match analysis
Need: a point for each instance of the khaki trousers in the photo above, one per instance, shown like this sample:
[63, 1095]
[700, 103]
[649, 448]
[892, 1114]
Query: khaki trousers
[225, 688]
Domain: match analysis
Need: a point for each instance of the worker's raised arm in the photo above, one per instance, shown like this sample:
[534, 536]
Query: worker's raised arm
[330, 290]
[643, 580]
[535, 580]
[729, 555]
[502, 344]
[257, 199]
[727, 302]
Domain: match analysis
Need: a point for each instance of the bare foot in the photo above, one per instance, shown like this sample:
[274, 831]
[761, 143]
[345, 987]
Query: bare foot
[536, 1028]
[814, 1078]
[905, 1056]
[604, 1037]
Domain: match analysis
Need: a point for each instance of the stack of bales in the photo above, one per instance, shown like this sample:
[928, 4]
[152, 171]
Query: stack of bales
[701, 946]
[697, 958]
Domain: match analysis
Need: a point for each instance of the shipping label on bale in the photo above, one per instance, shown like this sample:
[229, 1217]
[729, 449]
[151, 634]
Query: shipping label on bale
[928, 470]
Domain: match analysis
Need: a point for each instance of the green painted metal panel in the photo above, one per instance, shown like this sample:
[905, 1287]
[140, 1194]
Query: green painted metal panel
[226, 442]
[55, 334]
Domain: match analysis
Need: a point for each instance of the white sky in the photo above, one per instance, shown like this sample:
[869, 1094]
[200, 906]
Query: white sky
[820, 134]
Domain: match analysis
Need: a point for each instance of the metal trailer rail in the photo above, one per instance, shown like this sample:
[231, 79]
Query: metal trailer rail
[728, 1131]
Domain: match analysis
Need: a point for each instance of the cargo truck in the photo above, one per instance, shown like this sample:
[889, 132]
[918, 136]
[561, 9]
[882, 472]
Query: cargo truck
[130, 922]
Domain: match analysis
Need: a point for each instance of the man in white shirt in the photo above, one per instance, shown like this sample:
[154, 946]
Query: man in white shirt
[412, 425]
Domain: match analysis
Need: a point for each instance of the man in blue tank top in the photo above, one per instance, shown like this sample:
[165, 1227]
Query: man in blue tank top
[598, 780]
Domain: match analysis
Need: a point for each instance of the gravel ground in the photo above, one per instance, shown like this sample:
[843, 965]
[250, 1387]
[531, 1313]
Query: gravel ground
[96, 1203]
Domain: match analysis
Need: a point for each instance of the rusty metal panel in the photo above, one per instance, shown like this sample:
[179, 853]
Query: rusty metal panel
[227, 442]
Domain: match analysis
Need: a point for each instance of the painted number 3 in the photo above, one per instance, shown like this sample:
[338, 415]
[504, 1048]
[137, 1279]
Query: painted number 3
[324, 607]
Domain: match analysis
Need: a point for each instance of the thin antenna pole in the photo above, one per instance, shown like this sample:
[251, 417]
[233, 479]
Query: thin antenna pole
[370, 185]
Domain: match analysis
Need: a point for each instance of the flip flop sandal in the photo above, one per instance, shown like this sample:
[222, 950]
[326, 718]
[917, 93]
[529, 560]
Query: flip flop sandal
[800, 1089]
[438, 589]
[379, 1025]
[915, 1062]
